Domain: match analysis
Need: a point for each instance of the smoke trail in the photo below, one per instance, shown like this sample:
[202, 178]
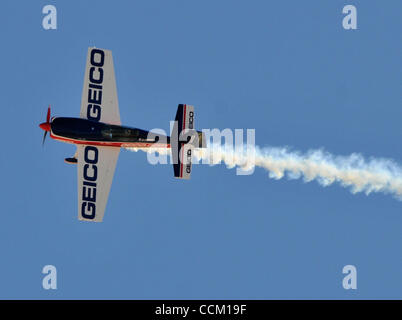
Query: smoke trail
[353, 171]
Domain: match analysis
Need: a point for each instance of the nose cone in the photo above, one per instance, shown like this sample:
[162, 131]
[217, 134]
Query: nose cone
[45, 126]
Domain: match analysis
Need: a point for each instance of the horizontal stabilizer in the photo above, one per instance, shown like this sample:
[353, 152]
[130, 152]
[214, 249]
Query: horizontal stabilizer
[183, 140]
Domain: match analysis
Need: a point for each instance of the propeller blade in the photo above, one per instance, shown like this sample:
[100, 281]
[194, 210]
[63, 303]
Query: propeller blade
[48, 114]
[44, 138]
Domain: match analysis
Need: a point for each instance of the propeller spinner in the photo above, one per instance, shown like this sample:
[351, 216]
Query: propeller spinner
[46, 125]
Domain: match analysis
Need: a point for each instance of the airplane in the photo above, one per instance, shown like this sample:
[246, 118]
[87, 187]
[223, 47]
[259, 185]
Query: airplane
[99, 135]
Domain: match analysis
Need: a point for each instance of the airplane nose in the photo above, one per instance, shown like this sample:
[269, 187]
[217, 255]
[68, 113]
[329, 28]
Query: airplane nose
[45, 126]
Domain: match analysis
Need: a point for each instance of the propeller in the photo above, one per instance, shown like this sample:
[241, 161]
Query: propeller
[46, 125]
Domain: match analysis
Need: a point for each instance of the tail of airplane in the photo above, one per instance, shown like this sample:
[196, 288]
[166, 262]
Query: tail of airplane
[184, 139]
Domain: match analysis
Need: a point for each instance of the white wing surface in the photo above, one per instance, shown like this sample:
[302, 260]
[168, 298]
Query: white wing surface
[99, 95]
[95, 167]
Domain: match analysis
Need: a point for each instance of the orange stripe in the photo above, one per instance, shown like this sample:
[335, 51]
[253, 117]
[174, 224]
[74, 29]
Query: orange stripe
[111, 144]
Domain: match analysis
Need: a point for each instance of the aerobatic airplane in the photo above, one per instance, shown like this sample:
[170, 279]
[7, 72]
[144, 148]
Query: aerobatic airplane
[99, 135]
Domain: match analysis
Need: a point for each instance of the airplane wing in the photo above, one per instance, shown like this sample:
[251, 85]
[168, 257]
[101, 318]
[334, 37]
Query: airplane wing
[99, 95]
[95, 166]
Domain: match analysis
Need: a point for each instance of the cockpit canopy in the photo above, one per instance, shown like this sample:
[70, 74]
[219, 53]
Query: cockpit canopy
[87, 130]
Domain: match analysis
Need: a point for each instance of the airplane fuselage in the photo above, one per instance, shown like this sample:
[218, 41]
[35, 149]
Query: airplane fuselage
[89, 132]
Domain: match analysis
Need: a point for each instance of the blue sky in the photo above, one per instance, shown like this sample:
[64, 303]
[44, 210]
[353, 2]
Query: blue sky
[284, 68]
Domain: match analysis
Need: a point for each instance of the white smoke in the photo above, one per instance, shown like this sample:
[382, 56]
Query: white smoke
[353, 171]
